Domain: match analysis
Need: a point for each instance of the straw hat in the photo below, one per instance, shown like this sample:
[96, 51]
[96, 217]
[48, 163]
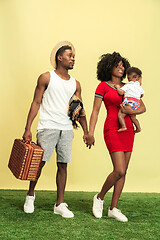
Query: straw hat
[55, 49]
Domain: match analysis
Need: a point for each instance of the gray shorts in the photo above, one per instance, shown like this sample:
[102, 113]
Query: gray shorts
[61, 140]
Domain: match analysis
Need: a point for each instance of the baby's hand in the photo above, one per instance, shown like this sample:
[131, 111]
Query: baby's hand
[117, 86]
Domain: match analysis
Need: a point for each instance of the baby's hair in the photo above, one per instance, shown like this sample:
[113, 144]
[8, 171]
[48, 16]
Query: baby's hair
[131, 70]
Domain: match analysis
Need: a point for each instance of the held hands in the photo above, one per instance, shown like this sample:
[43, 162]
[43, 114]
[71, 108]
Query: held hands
[89, 140]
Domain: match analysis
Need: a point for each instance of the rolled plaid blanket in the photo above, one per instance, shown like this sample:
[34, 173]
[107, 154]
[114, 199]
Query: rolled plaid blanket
[75, 110]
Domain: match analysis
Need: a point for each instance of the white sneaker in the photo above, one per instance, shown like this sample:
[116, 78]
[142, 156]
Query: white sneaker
[29, 204]
[97, 208]
[116, 213]
[62, 210]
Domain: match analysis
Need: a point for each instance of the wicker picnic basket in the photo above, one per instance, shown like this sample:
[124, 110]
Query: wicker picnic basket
[25, 160]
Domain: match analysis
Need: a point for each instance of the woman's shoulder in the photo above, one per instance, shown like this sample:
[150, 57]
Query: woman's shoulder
[102, 85]
[102, 88]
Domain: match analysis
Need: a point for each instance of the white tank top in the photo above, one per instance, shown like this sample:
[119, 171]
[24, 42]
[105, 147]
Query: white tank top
[55, 102]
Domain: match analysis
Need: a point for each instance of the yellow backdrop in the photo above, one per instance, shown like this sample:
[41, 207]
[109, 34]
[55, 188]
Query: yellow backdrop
[29, 30]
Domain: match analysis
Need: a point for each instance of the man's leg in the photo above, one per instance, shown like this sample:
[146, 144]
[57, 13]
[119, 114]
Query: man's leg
[29, 203]
[33, 183]
[63, 149]
[60, 207]
[61, 181]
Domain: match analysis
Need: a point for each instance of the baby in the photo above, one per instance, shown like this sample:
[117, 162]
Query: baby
[132, 92]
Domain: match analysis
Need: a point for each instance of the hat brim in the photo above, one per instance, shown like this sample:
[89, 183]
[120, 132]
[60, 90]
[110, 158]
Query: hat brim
[55, 49]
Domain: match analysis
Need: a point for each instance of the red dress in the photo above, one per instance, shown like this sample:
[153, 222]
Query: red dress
[115, 141]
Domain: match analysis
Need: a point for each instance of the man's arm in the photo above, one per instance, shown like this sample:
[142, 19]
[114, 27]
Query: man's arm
[128, 110]
[42, 84]
[82, 121]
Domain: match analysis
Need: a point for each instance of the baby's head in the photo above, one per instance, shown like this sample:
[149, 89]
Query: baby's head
[134, 74]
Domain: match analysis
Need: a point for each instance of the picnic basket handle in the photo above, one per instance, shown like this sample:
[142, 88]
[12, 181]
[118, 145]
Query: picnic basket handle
[28, 141]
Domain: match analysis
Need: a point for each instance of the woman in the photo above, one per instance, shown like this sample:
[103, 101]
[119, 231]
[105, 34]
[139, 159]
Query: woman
[111, 70]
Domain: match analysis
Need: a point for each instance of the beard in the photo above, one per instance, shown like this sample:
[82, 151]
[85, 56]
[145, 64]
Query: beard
[69, 67]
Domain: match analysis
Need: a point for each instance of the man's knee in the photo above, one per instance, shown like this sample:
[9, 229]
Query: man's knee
[62, 166]
[42, 164]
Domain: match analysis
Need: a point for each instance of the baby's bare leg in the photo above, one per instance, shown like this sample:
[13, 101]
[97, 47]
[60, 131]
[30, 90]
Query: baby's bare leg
[136, 123]
[122, 121]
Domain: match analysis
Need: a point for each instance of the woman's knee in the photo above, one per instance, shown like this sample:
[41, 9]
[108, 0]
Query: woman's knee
[120, 173]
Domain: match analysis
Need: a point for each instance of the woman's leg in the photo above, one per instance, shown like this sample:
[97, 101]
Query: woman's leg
[118, 187]
[119, 164]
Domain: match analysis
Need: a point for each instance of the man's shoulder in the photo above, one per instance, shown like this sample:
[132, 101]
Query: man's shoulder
[44, 78]
[45, 75]
[77, 82]
[78, 85]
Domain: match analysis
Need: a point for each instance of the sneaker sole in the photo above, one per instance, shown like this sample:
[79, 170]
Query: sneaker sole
[118, 219]
[28, 211]
[94, 215]
[63, 216]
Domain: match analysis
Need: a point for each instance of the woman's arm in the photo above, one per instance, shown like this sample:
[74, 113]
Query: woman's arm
[93, 120]
[128, 110]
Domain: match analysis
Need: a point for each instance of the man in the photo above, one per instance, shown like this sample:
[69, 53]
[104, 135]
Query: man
[52, 94]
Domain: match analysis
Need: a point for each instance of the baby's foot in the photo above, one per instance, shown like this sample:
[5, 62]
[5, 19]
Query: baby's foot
[122, 129]
[137, 130]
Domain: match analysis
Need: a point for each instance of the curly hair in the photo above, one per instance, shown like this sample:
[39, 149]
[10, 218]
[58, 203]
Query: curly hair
[106, 64]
